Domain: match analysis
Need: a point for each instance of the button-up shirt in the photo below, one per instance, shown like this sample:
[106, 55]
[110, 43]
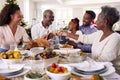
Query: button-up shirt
[7, 38]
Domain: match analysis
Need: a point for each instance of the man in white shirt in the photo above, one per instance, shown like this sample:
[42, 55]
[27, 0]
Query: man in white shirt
[42, 28]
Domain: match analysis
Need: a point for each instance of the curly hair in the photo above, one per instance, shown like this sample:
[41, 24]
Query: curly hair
[8, 10]
[111, 14]
[76, 21]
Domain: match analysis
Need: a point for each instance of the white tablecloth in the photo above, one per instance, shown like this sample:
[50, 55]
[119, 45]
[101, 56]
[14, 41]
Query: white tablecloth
[113, 76]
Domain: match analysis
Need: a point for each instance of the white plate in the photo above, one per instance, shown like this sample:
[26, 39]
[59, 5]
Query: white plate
[12, 68]
[86, 66]
[65, 51]
[23, 73]
[110, 70]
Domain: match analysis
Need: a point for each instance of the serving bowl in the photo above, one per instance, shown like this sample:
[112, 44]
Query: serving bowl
[12, 61]
[48, 57]
[59, 76]
[34, 76]
[11, 57]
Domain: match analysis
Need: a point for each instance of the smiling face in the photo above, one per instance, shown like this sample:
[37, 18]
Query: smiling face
[17, 17]
[49, 18]
[72, 25]
[87, 19]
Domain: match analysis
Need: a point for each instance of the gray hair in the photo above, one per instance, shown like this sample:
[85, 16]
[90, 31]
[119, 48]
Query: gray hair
[111, 14]
[47, 11]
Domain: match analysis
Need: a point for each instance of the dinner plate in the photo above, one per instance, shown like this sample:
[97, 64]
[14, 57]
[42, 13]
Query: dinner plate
[11, 70]
[109, 71]
[25, 70]
[90, 67]
[99, 71]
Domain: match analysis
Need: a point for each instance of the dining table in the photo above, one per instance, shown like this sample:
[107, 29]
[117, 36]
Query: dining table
[29, 66]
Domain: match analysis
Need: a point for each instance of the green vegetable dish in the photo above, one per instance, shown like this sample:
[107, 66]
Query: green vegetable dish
[34, 75]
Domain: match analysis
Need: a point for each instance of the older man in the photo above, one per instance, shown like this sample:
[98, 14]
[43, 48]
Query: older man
[38, 30]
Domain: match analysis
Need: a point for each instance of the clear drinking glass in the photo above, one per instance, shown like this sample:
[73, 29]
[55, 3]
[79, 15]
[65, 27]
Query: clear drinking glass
[60, 37]
[13, 46]
[37, 65]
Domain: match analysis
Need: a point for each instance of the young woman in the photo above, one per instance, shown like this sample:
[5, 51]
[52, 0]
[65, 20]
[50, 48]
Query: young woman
[11, 33]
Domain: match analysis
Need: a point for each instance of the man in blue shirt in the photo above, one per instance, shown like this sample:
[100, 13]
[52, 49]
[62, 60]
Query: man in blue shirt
[86, 28]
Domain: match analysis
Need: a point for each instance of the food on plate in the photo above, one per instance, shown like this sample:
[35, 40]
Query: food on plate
[3, 55]
[30, 58]
[47, 55]
[96, 77]
[83, 54]
[34, 75]
[74, 77]
[39, 42]
[54, 68]
[11, 55]
[66, 46]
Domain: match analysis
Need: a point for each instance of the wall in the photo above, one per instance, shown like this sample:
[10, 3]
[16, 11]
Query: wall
[33, 11]
[29, 11]
[78, 12]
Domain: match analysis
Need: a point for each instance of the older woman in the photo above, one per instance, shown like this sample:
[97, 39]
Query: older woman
[10, 31]
[106, 42]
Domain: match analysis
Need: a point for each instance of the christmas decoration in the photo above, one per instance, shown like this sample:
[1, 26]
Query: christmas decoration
[11, 2]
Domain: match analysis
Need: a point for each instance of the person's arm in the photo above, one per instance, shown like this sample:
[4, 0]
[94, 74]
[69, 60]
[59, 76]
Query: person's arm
[70, 42]
[88, 39]
[65, 33]
[74, 36]
[85, 47]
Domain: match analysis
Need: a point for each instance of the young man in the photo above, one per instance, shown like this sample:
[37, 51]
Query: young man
[86, 28]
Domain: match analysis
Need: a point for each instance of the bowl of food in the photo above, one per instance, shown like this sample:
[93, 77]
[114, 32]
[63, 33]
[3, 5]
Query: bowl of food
[96, 77]
[49, 58]
[34, 76]
[58, 72]
[11, 57]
